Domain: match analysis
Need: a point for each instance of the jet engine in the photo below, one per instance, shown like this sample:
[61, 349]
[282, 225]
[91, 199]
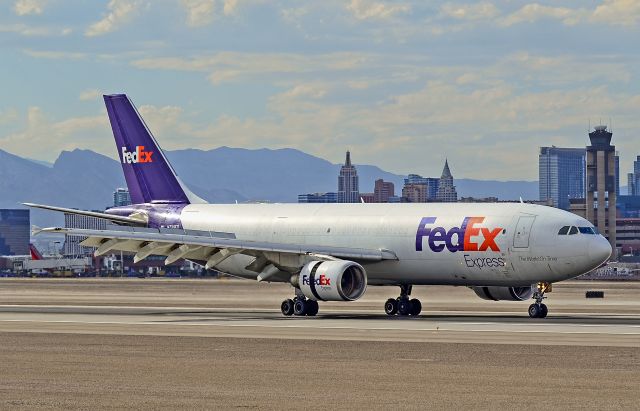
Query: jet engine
[339, 280]
[504, 293]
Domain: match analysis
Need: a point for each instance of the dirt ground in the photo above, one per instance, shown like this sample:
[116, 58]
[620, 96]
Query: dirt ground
[71, 371]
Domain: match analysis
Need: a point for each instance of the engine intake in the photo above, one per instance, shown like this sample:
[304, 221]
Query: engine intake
[504, 293]
[332, 280]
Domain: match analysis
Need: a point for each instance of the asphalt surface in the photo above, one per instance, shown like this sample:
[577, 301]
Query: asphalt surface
[201, 344]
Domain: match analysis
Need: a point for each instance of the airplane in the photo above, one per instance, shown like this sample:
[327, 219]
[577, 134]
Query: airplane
[332, 252]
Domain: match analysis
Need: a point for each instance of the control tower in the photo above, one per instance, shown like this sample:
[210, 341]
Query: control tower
[601, 184]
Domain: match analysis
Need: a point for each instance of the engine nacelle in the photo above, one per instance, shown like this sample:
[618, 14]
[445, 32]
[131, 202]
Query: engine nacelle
[332, 280]
[504, 293]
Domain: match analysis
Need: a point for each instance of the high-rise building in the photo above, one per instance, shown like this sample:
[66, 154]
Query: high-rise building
[348, 191]
[418, 189]
[631, 184]
[121, 197]
[561, 175]
[414, 193]
[633, 179]
[318, 198]
[601, 184]
[617, 161]
[14, 232]
[382, 191]
[72, 247]
[446, 190]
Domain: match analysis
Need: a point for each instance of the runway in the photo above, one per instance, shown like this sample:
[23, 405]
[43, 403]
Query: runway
[208, 308]
[201, 344]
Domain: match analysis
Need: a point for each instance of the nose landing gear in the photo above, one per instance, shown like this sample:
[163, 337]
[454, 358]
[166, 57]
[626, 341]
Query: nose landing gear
[538, 309]
[403, 305]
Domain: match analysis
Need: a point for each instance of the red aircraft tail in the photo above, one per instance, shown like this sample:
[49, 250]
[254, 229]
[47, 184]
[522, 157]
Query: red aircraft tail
[35, 254]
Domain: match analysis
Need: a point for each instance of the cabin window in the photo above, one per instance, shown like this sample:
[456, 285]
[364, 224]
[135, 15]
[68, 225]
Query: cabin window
[573, 230]
[564, 230]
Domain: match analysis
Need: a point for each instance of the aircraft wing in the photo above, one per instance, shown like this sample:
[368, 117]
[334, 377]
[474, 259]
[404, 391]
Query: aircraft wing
[104, 216]
[213, 247]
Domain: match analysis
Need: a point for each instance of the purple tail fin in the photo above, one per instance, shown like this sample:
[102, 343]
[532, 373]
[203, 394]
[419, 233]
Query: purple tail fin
[149, 175]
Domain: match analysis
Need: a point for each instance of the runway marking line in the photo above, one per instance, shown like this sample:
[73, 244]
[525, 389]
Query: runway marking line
[595, 315]
[438, 329]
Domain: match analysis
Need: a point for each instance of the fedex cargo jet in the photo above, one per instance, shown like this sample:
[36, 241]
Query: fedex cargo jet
[332, 252]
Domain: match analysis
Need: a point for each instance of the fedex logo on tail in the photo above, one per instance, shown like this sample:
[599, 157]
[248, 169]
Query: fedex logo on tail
[137, 156]
[470, 236]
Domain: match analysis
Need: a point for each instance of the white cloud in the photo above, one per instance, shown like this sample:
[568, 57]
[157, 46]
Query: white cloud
[203, 12]
[120, 12]
[232, 66]
[55, 55]
[230, 7]
[25, 7]
[30, 31]
[43, 138]
[369, 9]
[8, 116]
[89, 94]
[612, 12]
[534, 12]
[478, 11]
[618, 12]
[199, 12]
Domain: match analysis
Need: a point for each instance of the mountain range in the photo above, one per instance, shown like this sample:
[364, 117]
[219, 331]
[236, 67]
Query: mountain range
[86, 180]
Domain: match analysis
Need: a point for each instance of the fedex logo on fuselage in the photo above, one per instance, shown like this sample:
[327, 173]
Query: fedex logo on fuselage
[137, 156]
[468, 237]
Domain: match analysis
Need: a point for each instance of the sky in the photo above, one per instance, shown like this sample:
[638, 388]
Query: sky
[402, 84]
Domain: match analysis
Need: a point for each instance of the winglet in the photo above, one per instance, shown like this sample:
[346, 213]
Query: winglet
[521, 202]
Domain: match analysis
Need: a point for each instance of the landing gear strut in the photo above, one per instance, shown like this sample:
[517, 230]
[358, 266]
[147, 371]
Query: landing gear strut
[300, 305]
[538, 309]
[403, 305]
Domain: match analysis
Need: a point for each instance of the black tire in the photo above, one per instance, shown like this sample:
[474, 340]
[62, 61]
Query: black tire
[287, 307]
[534, 311]
[404, 306]
[312, 308]
[300, 307]
[543, 311]
[416, 307]
[391, 306]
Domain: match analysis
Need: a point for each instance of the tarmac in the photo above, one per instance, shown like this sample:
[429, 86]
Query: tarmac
[202, 344]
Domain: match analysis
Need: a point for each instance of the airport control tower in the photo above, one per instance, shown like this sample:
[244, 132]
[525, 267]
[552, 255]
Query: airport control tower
[601, 184]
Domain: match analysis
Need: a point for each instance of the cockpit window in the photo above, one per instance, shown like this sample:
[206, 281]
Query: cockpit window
[573, 230]
[564, 230]
[587, 230]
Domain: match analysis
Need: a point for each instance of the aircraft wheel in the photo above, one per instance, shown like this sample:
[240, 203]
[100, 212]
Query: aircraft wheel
[404, 306]
[535, 311]
[300, 307]
[416, 307]
[287, 307]
[312, 308]
[543, 311]
[391, 306]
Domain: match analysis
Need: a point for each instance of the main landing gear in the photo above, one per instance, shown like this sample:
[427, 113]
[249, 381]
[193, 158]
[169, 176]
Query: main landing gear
[538, 309]
[300, 305]
[403, 305]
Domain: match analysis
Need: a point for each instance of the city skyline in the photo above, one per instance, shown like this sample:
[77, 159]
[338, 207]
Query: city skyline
[479, 81]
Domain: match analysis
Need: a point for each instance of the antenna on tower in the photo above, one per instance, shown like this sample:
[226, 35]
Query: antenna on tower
[610, 125]
[589, 129]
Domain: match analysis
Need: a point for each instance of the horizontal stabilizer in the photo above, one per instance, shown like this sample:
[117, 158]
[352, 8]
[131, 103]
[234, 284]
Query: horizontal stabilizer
[104, 216]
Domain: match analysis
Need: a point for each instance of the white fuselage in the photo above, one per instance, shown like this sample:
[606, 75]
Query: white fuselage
[509, 244]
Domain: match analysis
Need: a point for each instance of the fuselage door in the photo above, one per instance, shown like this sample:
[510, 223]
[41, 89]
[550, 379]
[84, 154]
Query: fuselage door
[523, 231]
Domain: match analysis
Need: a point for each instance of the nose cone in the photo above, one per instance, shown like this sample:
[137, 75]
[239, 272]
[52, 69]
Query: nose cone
[599, 250]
